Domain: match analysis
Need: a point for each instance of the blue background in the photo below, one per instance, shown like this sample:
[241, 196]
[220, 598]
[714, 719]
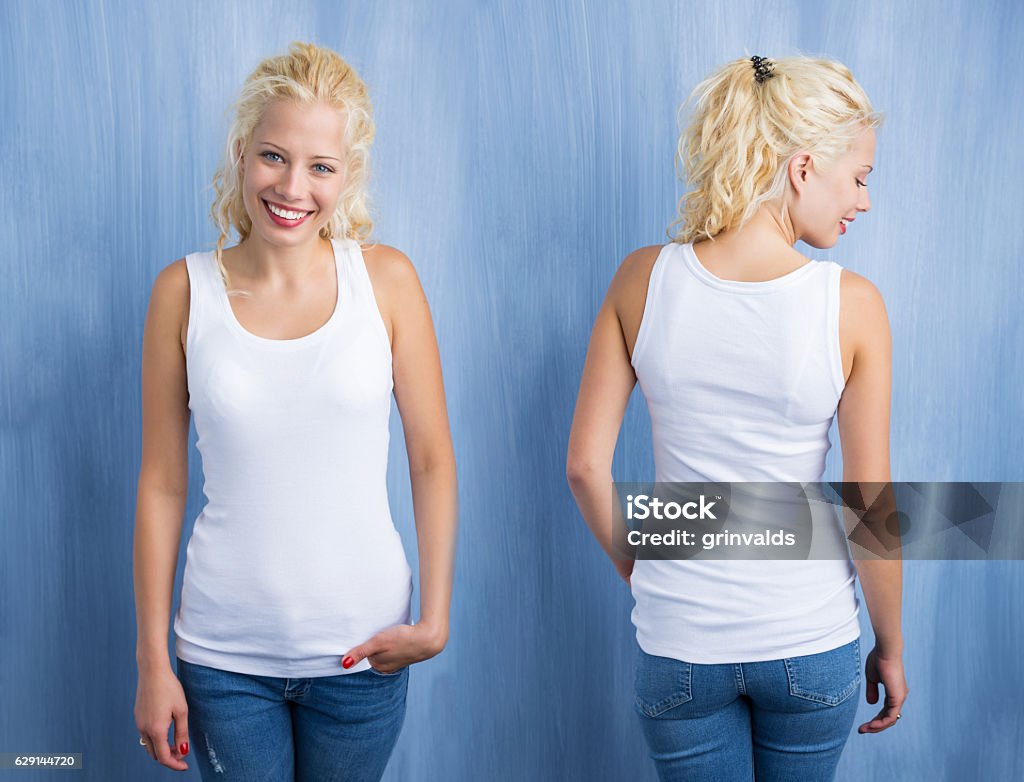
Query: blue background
[523, 149]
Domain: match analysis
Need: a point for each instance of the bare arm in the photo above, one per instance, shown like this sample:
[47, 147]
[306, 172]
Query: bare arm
[419, 393]
[162, 491]
[607, 382]
[864, 434]
[163, 476]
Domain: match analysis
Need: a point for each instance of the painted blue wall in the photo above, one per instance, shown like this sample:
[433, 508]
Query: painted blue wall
[523, 149]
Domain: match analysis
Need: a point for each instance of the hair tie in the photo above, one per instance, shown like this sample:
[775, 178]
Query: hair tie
[763, 68]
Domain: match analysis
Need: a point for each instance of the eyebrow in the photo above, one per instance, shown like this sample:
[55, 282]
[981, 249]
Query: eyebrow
[315, 157]
[869, 168]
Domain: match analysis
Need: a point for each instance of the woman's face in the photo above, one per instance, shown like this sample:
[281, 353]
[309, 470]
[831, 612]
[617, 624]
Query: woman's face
[294, 164]
[827, 199]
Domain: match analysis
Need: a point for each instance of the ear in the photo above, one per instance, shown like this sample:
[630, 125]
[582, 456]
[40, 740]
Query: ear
[800, 166]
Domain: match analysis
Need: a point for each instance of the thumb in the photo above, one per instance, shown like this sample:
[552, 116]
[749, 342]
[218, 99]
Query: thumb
[181, 743]
[872, 691]
[357, 654]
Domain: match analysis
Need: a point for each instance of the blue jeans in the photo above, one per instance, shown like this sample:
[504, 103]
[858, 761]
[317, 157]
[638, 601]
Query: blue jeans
[778, 720]
[252, 728]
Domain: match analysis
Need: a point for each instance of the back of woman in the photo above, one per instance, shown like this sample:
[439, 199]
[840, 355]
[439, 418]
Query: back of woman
[742, 381]
[745, 352]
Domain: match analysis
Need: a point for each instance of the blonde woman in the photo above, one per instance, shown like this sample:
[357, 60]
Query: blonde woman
[293, 635]
[745, 350]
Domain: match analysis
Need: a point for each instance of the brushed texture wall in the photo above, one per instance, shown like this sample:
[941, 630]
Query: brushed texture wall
[523, 149]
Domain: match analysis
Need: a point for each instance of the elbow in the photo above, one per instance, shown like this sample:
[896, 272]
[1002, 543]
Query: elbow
[164, 487]
[582, 472]
[435, 461]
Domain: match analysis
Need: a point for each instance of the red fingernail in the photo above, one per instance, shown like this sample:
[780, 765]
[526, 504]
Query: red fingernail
[348, 662]
[184, 748]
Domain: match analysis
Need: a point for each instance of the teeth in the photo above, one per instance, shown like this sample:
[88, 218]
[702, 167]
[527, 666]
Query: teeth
[284, 213]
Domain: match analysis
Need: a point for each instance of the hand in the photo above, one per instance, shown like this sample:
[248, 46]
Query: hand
[159, 699]
[398, 646]
[624, 567]
[887, 671]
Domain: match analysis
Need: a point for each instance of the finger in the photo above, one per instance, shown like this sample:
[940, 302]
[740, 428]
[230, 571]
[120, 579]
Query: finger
[886, 718]
[391, 660]
[164, 754]
[889, 716]
[175, 756]
[357, 654]
[871, 691]
[181, 743]
[149, 746]
[383, 667]
[872, 725]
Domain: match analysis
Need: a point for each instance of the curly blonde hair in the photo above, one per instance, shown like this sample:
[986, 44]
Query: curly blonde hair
[307, 74]
[743, 133]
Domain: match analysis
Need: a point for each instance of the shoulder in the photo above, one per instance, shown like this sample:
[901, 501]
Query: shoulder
[396, 286]
[627, 295]
[629, 286]
[171, 286]
[640, 262]
[862, 296]
[862, 308]
[387, 261]
[389, 268]
[858, 286]
[169, 300]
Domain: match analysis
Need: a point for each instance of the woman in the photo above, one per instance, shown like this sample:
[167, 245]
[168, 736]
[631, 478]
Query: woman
[293, 640]
[744, 350]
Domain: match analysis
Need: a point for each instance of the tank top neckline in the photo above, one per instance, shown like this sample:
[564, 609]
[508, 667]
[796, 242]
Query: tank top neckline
[282, 344]
[738, 286]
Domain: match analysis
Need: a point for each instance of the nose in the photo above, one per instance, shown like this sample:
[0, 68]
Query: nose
[289, 186]
[864, 204]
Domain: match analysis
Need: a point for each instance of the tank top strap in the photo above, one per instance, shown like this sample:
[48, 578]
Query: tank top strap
[352, 274]
[834, 273]
[203, 277]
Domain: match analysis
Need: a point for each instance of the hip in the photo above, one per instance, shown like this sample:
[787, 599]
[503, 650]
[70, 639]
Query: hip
[669, 688]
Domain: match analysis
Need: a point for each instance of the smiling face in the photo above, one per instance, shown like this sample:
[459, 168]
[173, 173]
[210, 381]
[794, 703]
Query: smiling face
[293, 171]
[824, 200]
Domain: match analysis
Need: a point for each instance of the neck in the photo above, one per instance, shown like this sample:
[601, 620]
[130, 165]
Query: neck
[259, 259]
[768, 229]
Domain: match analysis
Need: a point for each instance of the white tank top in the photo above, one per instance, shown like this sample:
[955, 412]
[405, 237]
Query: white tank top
[294, 559]
[742, 381]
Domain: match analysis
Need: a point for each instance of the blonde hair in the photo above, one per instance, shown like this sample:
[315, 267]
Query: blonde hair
[308, 74]
[743, 133]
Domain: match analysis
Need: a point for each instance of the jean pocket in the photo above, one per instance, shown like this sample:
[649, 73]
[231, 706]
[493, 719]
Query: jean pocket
[662, 683]
[827, 677]
[399, 672]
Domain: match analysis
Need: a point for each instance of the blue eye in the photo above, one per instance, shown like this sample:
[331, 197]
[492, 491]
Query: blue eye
[268, 155]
